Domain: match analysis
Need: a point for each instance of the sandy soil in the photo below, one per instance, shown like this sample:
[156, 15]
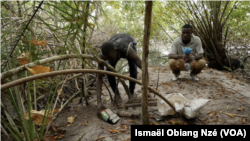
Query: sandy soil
[225, 93]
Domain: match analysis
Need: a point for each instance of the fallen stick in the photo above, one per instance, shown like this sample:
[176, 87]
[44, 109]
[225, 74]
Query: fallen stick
[139, 104]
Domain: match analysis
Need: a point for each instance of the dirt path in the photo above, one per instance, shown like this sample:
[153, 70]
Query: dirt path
[226, 96]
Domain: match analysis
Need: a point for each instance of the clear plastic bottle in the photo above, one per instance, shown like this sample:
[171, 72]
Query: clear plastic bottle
[187, 66]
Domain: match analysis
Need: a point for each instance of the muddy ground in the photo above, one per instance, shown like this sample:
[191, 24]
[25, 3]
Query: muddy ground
[227, 96]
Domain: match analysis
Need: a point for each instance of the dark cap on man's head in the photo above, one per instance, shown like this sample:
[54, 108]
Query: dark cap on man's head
[187, 26]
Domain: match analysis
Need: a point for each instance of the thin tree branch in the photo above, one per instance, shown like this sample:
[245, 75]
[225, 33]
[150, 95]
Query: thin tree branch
[48, 60]
[54, 73]
[19, 9]
[165, 31]
[62, 57]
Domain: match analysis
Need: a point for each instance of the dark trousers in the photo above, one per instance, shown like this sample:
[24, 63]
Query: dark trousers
[132, 71]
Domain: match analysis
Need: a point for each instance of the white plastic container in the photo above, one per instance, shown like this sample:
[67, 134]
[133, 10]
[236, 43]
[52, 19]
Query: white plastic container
[187, 108]
[192, 107]
[177, 99]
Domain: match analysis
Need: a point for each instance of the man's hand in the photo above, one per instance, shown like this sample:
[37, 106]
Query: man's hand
[188, 58]
[199, 56]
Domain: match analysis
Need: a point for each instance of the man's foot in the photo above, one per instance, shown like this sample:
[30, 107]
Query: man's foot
[118, 99]
[194, 77]
[134, 95]
[175, 77]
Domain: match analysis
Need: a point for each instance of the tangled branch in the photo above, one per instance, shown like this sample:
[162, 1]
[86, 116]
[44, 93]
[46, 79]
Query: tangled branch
[62, 57]
[38, 76]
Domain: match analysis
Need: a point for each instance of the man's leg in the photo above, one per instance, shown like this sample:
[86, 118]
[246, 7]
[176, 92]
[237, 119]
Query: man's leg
[112, 80]
[197, 66]
[133, 72]
[176, 65]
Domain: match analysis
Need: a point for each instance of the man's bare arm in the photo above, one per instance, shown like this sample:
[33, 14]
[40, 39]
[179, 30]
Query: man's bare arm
[175, 56]
[132, 55]
[199, 56]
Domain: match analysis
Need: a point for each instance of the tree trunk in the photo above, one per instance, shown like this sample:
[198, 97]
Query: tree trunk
[147, 26]
[85, 18]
